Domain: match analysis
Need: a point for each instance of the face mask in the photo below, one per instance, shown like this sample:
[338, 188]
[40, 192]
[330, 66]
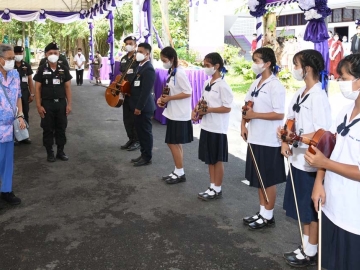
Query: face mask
[209, 71]
[258, 68]
[18, 58]
[79, 53]
[53, 58]
[298, 74]
[9, 65]
[347, 91]
[129, 48]
[140, 57]
[167, 65]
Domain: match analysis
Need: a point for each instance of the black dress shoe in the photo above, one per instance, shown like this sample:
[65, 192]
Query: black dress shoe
[142, 162]
[175, 179]
[286, 255]
[16, 143]
[51, 157]
[208, 197]
[135, 159]
[307, 261]
[266, 223]
[126, 145]
[26, 141]
[251, 219]
[10, 198]
[61, 155]
[134, 146]
[202, 193]
[166, 177]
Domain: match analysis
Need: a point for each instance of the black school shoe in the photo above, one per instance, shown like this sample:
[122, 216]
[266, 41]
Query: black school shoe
[126, 145]
[142, 162]
[251, 219]
[166, 177]
[175, 180]
[134, 146]
[286, 255]
[307, 261]
[10, 198]
[266, 223]
[207, 197]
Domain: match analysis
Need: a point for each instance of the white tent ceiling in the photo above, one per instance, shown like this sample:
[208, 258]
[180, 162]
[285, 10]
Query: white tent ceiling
[47, 5]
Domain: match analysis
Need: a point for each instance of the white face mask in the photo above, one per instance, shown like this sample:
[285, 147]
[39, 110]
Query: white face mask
[298, 74]
[18, 58]
[9, 65]
[53, 58]
[167, 65]
[209, 71]
[129, 48]
[258, 68]
[140, 57]
[347, 89]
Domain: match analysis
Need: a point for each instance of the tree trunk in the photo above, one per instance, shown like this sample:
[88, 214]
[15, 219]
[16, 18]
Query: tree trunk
[269, 22]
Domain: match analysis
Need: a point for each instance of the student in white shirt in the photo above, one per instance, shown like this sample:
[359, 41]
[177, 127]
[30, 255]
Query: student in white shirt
[340, 191]
[310, 109]
[213, 146]
[178, 113]
[79, 61]
[268, 95]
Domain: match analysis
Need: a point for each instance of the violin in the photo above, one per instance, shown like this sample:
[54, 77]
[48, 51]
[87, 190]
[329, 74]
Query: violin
[202, 106]
[288, 129]
[118, 89]
[165, 92]
[322, 140]
[245, 109]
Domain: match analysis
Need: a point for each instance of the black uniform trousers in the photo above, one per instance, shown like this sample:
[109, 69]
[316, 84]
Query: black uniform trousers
[54, 123]
[25, 94]
[79, 76]
[128, 119]
[143, 126]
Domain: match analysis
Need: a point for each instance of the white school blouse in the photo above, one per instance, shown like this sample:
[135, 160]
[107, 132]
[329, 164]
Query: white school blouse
[343, 194]
[180, 109]
[270, 98]
[315, 113]
[219, 95]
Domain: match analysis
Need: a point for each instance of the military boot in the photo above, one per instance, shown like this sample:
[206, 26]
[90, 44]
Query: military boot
[60, 153]
[50, 154]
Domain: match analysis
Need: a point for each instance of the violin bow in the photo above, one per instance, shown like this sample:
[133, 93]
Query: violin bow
[296, 204]
[258, 173]
[320, 234]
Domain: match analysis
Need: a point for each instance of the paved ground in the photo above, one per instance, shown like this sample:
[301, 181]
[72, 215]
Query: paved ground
[97, 211]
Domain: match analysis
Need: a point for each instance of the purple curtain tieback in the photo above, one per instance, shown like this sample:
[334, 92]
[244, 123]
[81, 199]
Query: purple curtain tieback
[316, 31]
[145, 6]
[6, 15]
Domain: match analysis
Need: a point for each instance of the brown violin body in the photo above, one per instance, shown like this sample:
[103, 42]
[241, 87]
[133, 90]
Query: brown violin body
[288, 129]
[202, 106]
[245, 108]
[322, 140]
[165, 92]
[116, 92]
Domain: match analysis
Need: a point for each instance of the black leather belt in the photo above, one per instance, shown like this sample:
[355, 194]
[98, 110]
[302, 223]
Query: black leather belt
[55, 100]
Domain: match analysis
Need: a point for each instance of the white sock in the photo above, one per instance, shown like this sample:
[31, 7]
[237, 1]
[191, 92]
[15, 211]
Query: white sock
[217, 189]
[267, 214]
[212, 185]
[210, 192]
[311, 250]
[179, 172]
[305, 240]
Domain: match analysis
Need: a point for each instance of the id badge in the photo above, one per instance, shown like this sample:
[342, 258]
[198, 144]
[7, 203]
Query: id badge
[56, 81]
[136, 83]
[24, 79]
[130, 71]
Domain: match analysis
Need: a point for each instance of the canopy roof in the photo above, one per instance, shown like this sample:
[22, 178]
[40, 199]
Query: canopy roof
[48, 5]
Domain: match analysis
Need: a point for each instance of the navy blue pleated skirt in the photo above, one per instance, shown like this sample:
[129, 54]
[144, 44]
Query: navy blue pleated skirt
[213, 147]
[340, 248]
[271, 165]
[303, 183]
[178, 132]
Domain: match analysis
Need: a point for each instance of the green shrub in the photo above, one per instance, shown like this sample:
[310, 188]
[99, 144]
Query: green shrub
[284, 75]
[230, 54]
[156, 53]
[243, 67]
[187, 55]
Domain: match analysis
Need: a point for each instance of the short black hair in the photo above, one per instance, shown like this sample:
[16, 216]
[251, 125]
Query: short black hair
[170, 54]
[267, 55]
[97, 52]
[313, 59]
[215, 58]
[351, 64]
[79, 49]
[146, 46]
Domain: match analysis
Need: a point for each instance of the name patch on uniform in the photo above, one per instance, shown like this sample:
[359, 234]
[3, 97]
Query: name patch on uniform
[56, 81]
[24, 79]
[130, 71]
[136, 83]
[123, 61]
[46, 73]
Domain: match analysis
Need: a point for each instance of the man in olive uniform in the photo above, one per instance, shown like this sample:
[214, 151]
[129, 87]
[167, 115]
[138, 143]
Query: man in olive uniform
[26, 83]
[128, 114]
[62, 59]
[53, 101]
[355, 43]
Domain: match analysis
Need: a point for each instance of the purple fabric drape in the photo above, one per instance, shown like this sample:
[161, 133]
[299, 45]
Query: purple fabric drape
[110, 17]
[158, 39]
[197, 77]
[91, 53]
